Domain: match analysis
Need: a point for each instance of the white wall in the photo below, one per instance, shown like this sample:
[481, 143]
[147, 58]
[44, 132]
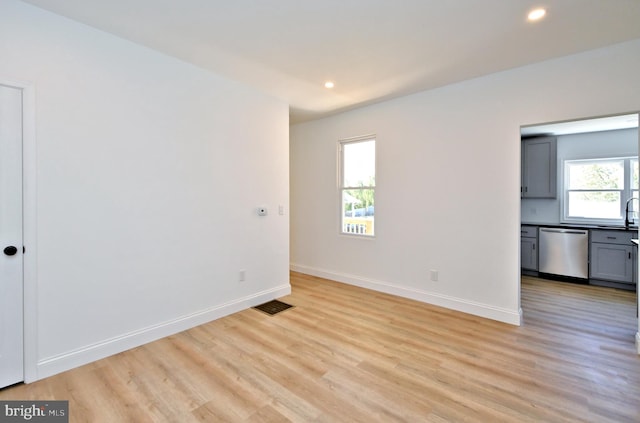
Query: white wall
[448, 179]
[149, 171]
[620, 143]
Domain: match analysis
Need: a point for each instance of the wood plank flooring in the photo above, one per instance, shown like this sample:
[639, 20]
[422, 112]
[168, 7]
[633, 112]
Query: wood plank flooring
[345, 354]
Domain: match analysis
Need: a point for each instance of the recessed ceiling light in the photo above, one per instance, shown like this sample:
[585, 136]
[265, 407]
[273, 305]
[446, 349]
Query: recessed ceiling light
[329, 84]
[536, 14]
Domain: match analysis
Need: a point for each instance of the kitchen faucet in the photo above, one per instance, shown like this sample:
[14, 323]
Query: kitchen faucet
[626, 213]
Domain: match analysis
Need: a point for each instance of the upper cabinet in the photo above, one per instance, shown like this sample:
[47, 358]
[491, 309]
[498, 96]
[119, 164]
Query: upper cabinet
[539, 168]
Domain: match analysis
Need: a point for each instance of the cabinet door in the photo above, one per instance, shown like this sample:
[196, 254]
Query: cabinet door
[539, 168]
[528, 254]
[612, 262]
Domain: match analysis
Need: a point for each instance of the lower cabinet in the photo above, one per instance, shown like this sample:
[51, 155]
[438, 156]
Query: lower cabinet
[613, 259]
[612, 262]
[529, 253]
[529, 248]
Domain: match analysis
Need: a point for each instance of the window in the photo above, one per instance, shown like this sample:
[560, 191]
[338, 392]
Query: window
[357, 185]
[601, 190]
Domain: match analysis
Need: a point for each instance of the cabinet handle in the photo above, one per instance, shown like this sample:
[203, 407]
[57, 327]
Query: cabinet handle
[563, 231]
[534, 247]
[612, 237]
[526, 189]
[629, 256]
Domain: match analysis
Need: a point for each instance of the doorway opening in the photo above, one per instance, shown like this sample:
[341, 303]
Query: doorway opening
[581, 176]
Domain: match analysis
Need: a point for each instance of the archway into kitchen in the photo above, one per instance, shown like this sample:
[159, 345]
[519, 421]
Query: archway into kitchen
[579, 215]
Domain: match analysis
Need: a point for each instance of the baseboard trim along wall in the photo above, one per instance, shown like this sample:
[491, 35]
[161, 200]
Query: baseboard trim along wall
[458, 304]
[76, 358]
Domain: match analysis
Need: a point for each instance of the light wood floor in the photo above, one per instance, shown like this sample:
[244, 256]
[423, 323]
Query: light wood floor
[345, 354]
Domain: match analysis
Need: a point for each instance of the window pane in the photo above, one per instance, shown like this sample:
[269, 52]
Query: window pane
[634, 205]
[358, 211]
[633, 208]
[359, 165]
[596, 175]
[595, 205]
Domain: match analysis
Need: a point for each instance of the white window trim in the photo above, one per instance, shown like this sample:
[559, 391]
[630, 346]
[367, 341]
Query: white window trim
[626, 192]
[340, 173]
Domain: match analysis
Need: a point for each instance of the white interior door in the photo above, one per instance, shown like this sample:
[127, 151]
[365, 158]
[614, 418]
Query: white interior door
[11, 258]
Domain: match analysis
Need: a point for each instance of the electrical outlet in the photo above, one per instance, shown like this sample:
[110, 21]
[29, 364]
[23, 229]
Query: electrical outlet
[242, 275]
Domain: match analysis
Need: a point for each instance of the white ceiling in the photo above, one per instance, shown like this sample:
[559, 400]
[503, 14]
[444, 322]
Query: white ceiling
[372, 49]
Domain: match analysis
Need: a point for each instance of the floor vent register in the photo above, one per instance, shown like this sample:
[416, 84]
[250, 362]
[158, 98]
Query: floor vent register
[273, 307]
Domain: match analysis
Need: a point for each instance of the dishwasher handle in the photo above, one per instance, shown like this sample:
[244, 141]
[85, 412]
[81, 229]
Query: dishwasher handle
[564, 231]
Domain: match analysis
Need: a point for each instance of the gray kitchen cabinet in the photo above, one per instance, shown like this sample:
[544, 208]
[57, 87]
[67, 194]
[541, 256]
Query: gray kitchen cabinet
[529, 248]
[612, 258]
[539, 167]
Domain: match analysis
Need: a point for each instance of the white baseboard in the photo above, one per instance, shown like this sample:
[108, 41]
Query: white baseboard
[638, 342]
[483, 310]
[81, 356]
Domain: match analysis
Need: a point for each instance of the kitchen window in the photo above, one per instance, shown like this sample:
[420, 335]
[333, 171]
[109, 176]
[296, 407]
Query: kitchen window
[601, 191]
[357, 185]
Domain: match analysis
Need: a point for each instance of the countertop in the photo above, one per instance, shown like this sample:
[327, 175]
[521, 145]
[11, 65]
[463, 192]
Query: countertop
[579, 226]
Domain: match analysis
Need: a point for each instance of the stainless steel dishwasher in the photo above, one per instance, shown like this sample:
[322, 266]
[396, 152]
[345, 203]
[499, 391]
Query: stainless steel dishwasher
[564, 252]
